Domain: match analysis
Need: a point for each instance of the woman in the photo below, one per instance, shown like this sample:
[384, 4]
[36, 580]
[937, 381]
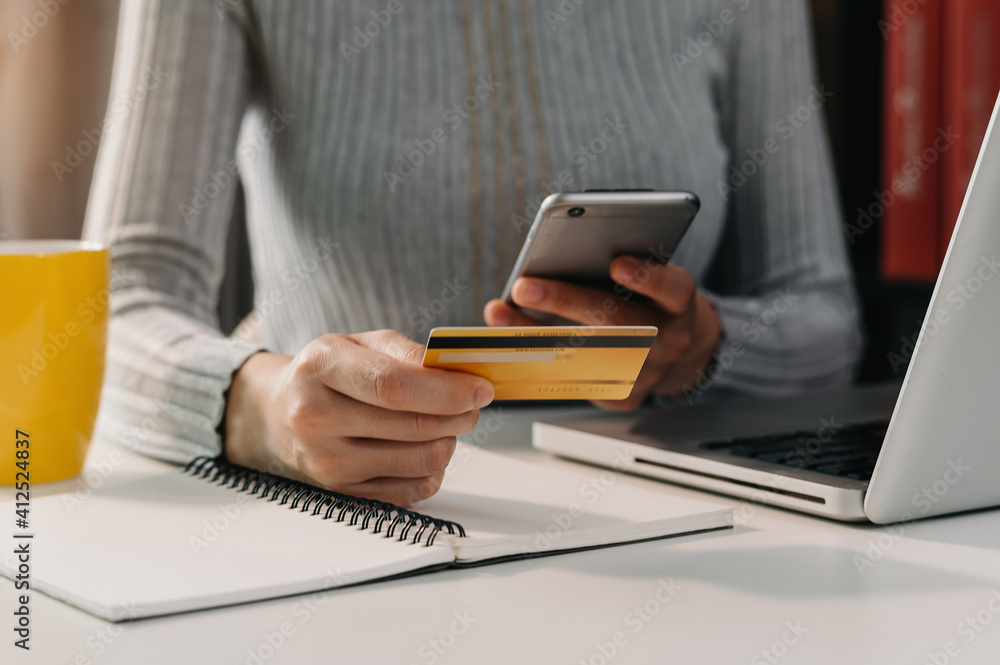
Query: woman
[392, 153]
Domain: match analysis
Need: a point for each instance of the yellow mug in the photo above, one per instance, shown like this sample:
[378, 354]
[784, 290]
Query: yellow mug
[53, 338]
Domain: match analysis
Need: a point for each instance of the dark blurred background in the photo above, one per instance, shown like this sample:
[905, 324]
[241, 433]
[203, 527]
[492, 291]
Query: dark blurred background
[849, 49]
[55, 87]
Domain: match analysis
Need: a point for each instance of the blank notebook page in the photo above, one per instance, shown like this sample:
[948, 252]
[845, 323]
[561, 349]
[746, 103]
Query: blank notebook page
[510, 507]
[173, 542]
[176, 542]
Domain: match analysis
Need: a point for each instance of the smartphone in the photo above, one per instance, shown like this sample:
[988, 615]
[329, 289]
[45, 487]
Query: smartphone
[576, 236]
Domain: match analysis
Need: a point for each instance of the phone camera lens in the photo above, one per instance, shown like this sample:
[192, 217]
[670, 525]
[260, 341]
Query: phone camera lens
[575, 212]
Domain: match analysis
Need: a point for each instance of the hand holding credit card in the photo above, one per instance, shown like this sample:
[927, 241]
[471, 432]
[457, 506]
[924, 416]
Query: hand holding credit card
[546, 362]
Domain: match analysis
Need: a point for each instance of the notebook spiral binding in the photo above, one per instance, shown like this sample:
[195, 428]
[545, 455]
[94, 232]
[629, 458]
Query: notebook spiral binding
[368, 514]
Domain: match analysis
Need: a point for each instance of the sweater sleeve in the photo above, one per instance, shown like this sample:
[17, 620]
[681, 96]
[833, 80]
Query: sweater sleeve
[790, 314]
[161, 199]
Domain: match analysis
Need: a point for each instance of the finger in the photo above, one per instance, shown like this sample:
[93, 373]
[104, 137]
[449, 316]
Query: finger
[400, 491]
[576, 303]
[318, 415]
[367, 421]
[645, 383]
[498, 313]
[393, 344]
[360, 460]
[348, 367]
[670, 287]
[661, 361]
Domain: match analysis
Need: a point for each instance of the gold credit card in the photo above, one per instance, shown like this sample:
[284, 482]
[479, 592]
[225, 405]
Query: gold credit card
[576, 362]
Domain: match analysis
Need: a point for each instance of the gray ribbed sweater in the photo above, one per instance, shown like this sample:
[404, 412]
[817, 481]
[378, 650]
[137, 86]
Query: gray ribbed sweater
[393, 153]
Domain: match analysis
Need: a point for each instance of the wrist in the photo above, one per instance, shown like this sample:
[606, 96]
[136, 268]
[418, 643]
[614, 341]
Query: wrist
[254, 400]
[707, 334]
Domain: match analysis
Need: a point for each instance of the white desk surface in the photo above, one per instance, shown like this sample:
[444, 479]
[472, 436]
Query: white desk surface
[737, 593]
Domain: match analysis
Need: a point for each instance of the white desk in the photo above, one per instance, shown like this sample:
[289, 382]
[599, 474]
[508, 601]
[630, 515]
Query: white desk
[736, 594]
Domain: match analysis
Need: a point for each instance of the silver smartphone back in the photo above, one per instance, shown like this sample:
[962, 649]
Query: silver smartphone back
[576, 236]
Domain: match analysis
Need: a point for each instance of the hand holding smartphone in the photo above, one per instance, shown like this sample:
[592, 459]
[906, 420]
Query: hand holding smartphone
[576, 236]
[564, 271]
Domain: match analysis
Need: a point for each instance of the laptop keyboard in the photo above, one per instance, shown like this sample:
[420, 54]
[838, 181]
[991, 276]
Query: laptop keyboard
[851, 452]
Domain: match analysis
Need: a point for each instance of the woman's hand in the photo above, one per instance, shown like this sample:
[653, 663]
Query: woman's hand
[689, 328]
[353, 413]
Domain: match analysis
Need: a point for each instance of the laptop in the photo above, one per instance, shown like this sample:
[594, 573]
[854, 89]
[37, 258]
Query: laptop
[881, 453]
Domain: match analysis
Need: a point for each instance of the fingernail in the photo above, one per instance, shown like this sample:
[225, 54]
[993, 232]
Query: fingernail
[530, 292]
[501, 317]
[484, 396]
[624, 269]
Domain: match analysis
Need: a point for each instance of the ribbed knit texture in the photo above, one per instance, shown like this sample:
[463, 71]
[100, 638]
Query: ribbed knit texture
[318, 120]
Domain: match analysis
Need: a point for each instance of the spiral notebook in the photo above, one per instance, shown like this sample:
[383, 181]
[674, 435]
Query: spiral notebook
[216, 534]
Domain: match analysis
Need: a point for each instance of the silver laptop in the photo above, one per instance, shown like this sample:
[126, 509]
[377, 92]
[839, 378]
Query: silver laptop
[884, 453]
